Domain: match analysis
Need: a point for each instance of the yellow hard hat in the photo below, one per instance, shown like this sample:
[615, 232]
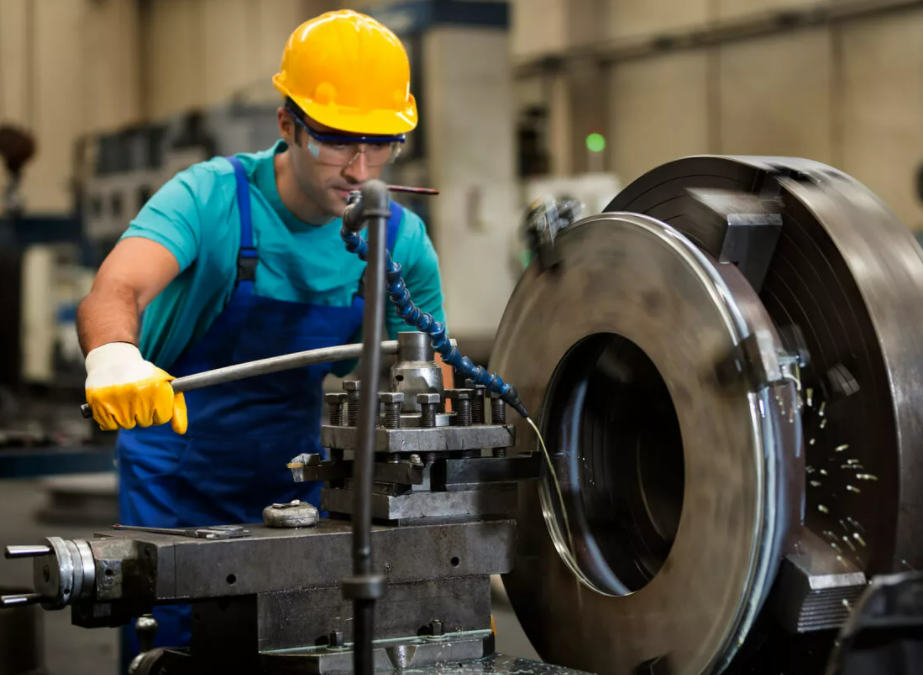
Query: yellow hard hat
[350, 73]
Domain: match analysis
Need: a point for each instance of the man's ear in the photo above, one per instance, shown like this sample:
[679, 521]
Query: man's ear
[286, 125]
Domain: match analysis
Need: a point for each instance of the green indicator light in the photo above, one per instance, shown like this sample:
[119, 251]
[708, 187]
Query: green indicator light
[595, 143]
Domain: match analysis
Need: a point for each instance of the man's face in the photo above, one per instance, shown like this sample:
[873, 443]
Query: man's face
[325, 184]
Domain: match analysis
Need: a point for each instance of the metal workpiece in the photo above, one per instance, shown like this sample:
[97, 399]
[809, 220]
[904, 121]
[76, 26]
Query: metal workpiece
[817, 586]
[422, 440]
[415, 371]
[637, 423]
[498, 499]
[291, 514]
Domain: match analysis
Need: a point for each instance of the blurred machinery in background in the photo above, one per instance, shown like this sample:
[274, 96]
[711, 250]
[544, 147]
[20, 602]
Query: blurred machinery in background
[117, 173]
[726, 367]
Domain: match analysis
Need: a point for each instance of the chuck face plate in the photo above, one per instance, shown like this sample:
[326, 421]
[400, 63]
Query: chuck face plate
[729, 378]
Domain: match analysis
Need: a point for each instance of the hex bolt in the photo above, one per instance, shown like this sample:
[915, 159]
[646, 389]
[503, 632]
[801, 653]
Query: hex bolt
[352, 400]
[335, 403]
[477, 401]
[497, 409]
[335, 639]
[436, 629]
[415, 460]
[428, 404]
[461, 403]
[392, 401]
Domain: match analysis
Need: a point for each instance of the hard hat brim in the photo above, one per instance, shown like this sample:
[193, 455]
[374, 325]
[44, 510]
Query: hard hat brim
[353, 121]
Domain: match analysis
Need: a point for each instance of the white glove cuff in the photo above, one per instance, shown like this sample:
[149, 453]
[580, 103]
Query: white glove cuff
[112, 354]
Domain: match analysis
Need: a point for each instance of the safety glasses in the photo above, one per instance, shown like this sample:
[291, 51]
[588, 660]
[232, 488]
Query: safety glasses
[339, 150]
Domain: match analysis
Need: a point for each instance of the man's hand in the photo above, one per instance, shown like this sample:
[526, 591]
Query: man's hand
[125, 391]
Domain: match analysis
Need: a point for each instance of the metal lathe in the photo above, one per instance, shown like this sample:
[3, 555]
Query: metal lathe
[727, 369]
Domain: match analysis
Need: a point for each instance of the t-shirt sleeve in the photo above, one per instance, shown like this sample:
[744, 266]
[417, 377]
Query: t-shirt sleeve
[171, 217]
[414, 250]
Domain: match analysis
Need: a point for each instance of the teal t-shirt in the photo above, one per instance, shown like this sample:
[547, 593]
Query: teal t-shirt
[196, 217]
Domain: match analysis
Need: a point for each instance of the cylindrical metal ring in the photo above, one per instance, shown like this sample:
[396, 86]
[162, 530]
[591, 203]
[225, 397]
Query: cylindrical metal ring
[656, 317]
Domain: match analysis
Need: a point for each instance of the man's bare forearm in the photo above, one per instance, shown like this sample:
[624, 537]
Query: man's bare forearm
[108, 314]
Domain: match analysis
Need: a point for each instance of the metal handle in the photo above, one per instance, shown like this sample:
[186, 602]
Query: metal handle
[31, 551]
[264, 366]
[7, 601]
[273, 364]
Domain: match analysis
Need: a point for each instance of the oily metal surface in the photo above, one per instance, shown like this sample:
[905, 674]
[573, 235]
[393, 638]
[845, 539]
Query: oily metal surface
[634, 277]
[850, 275]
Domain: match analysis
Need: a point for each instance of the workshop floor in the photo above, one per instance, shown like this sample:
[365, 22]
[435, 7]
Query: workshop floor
[70, 650]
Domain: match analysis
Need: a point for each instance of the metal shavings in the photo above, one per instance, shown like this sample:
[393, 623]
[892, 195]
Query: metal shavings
[810, 393]
[852, 461]
[809, 469]
[823, 472]
[820, 411]
[811, 442]
[849, 543]
[834, 546]
[856, 524]
[822, 508]
[858, 538]
[853, 489]
[841, 448]
[815, 483]
[866, 476]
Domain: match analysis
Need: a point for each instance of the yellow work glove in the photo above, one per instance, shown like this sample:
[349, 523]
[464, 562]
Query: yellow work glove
[125, 391]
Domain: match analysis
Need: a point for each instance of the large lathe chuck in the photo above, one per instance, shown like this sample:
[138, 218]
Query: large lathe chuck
[727, 366]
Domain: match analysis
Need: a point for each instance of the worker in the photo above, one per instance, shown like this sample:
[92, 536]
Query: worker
[238, 259]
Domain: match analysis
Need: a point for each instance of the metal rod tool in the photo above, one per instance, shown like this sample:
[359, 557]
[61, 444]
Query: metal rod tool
[264, 366]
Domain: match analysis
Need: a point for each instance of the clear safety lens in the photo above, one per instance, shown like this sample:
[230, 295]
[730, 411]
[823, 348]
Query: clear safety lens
[344, 154]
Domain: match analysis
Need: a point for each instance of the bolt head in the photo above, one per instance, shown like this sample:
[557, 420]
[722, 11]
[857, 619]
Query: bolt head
[429, 398]
[391, 397]
[436, 628]
[459, 394]
[494, 394]
[351, 385]
[335, 397]
[335, 639]
[415, 460]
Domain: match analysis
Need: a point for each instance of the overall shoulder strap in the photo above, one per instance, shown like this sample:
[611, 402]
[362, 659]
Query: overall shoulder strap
[394, 223]
[391, 228]
[247, 257]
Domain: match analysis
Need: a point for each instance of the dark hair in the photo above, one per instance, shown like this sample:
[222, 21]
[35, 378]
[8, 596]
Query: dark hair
[293, 107]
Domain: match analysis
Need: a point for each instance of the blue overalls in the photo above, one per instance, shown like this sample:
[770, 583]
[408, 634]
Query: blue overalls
[231, 463]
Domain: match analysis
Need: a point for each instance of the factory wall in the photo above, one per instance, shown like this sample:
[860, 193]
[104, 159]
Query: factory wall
[847, 93]
[67, 67]
[74, 67]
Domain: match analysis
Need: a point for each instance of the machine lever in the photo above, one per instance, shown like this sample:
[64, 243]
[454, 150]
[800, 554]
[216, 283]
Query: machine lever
[273, 364]
[8, 601]
[31, 551]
